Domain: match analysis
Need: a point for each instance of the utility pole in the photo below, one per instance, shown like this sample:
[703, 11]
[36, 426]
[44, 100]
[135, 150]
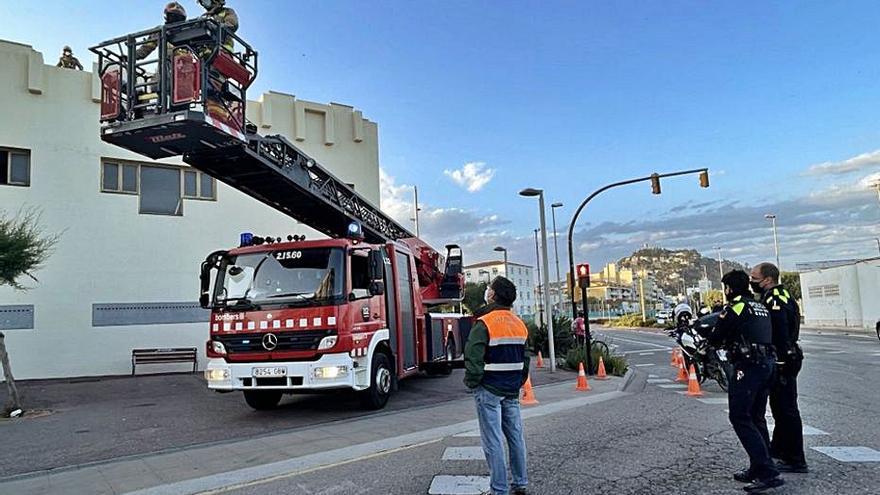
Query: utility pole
[642, 294]
[417, 209]
[538, 282]
[720, 268]
[772, 218]
[878, 243]
[556, 248]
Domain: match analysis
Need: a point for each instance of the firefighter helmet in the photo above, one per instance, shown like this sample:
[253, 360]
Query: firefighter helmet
[174, 12]
[66, 49]
[212, 5]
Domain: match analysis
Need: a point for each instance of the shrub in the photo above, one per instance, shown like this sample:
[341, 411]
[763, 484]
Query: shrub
[563, 338]
[632, 320]
[614, 364]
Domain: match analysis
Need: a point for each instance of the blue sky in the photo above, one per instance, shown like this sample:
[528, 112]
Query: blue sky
[568, 96]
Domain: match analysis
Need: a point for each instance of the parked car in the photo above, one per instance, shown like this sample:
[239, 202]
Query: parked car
[663, 316]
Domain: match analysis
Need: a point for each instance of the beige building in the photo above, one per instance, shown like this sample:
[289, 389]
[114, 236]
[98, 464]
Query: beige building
[521, 275]
[133, 231]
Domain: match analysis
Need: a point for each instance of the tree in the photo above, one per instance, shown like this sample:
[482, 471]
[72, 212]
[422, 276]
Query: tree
[714, 297]
[24, 248]
[474, 296]
[792, 282]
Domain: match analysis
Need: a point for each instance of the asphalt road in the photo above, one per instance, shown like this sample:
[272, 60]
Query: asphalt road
[104, 419]
[654, 442]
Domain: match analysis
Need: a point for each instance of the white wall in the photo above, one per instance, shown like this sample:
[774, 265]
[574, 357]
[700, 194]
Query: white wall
[108, 252]
[844, 296]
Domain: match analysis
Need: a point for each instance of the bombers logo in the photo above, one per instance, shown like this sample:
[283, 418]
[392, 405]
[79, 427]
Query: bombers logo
[166, 137]
[270, 341]
[229, 317]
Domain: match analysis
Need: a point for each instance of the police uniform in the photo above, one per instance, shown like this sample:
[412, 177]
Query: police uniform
[745, 330]
[788, 438]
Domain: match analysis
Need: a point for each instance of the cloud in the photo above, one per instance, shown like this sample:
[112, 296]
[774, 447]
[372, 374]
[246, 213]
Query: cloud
[473, 176]
[856, 163]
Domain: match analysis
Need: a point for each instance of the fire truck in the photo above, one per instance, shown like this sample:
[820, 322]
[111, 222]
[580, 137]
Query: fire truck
[358, 310]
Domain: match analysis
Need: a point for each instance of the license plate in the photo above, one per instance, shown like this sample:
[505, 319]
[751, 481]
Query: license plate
[264, 372]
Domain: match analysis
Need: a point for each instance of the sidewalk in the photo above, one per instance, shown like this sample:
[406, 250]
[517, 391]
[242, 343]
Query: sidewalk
[225, 463]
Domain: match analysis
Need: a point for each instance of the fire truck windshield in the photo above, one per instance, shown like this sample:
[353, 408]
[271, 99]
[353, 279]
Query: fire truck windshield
[290, 276]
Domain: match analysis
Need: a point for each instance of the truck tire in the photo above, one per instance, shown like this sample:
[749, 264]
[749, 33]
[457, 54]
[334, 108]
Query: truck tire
[262, 400]
[381, 381]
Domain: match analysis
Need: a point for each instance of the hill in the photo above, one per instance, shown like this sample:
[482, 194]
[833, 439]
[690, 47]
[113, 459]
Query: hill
[669, 267]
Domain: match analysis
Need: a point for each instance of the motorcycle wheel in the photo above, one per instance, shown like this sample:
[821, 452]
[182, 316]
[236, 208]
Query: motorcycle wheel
[721, 378]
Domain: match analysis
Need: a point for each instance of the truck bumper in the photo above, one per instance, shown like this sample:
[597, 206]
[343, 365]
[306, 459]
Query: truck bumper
[331, 371]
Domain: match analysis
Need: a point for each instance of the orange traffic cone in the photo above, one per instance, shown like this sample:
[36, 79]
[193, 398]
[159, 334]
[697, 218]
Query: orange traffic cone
[600, 374]
[682, 373]
[528, 395]
[582, 383]
[693, 384]
[540, 363]
[676, 358]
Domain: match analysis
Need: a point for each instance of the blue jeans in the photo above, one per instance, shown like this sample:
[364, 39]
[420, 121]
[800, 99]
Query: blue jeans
[499, 416]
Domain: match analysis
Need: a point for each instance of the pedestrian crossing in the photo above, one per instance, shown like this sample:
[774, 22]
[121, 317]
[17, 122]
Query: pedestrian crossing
[453, 457]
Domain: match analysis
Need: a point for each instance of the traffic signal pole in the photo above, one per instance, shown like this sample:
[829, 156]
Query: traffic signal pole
[587, 337]
[704, 182]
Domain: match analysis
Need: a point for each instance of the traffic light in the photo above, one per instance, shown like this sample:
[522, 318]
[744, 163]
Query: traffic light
[583, 273]
[704, 179]
[655, 184]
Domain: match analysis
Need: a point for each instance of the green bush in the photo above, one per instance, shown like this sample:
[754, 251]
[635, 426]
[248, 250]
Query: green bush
[632, 320]
[563, 338]
[614, 364]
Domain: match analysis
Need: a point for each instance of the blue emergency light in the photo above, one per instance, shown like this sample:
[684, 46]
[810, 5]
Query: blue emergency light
[355, 230]
[247, 239]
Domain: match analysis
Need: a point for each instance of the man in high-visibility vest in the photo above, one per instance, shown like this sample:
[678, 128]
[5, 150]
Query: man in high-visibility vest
[496, 367]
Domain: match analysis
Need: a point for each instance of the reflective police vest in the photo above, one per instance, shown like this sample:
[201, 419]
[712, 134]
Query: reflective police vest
[505, 353]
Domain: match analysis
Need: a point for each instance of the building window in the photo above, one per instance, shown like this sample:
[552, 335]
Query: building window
[197, 185]
[161, 188]
[15, 167]
[119, 177]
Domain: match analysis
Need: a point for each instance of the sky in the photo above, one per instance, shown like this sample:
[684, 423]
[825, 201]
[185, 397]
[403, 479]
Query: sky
[477, 100]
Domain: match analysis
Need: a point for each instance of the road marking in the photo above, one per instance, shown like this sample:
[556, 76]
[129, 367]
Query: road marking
[642, 352]
[653, 376]
[806, 429]
[631, 341]
[836, 352]
[673, 385]
[468, 434]
[266, 473]
[463, 454]
[459, 485]
[714, 400]
[655, 381]
[850, 454]
[645, 364]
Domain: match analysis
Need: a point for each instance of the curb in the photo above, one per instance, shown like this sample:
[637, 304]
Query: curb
[633, 382]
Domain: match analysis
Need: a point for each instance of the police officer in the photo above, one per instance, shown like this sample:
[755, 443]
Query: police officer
[787, 444]
[745, 331]
[68, 61]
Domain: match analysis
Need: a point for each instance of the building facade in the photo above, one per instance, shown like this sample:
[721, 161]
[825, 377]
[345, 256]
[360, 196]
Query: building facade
[841, 294]
[521, 275]
[133, 231]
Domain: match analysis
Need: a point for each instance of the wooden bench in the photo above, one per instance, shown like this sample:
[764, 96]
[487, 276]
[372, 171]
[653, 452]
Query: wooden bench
[162, 356]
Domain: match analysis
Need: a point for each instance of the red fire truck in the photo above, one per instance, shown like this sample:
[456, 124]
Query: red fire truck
[358, 310]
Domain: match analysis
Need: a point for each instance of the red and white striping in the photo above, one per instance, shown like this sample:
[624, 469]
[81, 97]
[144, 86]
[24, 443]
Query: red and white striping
[225, 128]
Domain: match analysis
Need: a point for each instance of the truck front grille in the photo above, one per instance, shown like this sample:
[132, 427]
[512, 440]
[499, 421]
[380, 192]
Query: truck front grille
[305, 340]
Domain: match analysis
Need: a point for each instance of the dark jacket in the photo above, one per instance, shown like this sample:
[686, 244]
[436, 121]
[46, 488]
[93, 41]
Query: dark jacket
[742, 323]
[786, 319]
[475, 358]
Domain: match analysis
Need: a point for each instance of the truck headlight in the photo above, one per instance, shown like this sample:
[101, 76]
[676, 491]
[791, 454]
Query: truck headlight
[330, 372]
[327, 343]
[216, 375]
[218, 347]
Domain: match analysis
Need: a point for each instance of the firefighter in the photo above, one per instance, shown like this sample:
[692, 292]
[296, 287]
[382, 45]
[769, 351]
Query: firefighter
[496, 367]
[68, 61]
[174, 12]
[787, 444]
[225, 16]
[744, 330]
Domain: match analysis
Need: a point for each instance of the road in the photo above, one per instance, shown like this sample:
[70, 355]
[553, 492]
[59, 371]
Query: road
[646, 439]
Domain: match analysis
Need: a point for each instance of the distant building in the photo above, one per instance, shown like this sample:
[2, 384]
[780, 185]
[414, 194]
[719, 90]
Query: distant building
[521, 275]
[841, 293]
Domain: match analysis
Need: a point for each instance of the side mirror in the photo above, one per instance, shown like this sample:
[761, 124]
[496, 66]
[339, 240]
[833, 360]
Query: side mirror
[204, 300]
[377, 288]
[213, 261]
[376, 265]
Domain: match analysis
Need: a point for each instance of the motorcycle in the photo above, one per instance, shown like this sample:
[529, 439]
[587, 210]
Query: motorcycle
[693, 339]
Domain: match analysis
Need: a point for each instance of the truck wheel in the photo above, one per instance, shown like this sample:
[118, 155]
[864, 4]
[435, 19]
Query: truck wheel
[381, 379]
[262, 400]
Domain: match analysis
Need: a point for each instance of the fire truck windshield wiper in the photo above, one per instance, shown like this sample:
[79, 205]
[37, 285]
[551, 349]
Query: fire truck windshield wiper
[241, 304]
[300, 295]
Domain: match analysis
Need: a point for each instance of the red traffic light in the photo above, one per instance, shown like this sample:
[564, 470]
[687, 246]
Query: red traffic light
[583, 274]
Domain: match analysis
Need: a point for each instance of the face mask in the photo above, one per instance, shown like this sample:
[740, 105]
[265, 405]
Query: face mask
[756, 287]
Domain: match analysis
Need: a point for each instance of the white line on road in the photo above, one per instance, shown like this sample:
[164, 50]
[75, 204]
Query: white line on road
[463, 454]
[631, 341]
[850, 454]
[655, 381]
[459, 485]
[836, 352]
[714, 400]
[673, 385]
[469, 434]
[645, 364]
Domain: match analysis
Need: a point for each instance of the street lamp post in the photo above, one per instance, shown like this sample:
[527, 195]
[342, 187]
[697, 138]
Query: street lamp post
[655, 183]
[530, 193]
[504, 250]
[772, 218]
[878, 243]
[539, 305]
[556, 248]
[720, 268]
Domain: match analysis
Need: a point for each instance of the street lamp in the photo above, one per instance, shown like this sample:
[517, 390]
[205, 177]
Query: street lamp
[504, 250]
[538, 306]
[556, 248]
[772, 218]
[655, 187]
[415, 219]
[531, 193]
